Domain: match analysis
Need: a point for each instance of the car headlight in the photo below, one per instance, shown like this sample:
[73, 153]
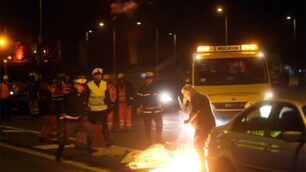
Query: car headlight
[268, 95]
[165, 97]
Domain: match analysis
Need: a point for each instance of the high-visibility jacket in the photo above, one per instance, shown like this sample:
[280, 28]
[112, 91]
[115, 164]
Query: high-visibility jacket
[112, 92]
[4, 91]
[122, 95]
[97, 96]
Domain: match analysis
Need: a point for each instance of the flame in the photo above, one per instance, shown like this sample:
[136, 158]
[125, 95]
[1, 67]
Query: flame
[158, 159]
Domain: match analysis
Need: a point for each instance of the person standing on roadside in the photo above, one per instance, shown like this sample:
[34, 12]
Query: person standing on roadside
[150, 108]
[111, 95]
[96, 91]
[6, 91]
[33, 94]
[126, 98]
[200, 117]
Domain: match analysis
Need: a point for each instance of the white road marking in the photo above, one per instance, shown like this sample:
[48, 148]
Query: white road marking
[47, 156]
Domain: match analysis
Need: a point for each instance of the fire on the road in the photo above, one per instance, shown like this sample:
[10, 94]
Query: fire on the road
[158, 159]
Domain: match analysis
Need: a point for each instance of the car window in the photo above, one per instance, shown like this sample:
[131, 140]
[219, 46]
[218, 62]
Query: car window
[287, 119]
[256, 121]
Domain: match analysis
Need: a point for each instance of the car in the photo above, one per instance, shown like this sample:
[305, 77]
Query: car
[269, 135]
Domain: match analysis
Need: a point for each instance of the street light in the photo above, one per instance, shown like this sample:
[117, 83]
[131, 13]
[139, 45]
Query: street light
[294, 37]
[220, 10]
[3, 42]
[87, 35]
[174, 42]
[101, 24]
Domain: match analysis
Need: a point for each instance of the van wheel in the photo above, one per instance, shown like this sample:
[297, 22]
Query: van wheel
[223, 165]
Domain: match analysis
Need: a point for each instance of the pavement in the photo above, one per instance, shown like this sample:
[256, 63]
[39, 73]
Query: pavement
[21, 134]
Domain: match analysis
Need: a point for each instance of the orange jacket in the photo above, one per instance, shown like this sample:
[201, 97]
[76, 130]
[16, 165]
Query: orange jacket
[4, 91]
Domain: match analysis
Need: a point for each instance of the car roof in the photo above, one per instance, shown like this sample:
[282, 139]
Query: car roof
[298, 100]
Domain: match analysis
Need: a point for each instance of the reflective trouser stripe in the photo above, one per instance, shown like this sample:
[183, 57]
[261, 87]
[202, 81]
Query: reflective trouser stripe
[125, 115]
[110, 119]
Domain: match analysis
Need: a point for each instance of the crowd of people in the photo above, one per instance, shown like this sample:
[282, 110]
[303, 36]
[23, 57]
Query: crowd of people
[80, 104]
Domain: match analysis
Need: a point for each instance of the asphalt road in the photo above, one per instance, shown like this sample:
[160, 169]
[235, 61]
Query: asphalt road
[21, 151]
[12, 160]
[19, 144]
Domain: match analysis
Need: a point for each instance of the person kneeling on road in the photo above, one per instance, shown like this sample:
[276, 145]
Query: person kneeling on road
[73, 117]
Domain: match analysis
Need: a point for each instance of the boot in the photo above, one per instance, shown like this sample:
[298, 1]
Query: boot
[59, 153]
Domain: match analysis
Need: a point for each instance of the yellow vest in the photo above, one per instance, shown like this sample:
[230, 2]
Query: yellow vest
[97, 95]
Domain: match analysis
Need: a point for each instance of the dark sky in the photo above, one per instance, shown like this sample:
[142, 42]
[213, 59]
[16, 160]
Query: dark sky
[194, 21]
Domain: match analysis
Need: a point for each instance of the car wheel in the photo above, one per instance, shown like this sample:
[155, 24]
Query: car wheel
[224, 165]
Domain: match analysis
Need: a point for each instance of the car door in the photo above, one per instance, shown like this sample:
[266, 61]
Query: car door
[248, 137]
[285, 156]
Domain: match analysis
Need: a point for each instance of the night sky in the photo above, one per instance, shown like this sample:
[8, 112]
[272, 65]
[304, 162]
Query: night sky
[193, 21]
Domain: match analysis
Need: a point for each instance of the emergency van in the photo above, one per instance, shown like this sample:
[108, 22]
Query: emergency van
[232, 76]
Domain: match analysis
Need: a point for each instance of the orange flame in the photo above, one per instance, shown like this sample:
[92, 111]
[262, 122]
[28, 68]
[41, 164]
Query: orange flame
[158, 159]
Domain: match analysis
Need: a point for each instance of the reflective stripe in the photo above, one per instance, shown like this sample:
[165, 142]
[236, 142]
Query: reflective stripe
[145, 95]
[65, 116]
[156, 111]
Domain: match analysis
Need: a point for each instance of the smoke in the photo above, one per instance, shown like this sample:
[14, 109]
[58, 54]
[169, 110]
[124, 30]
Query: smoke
[128, 7]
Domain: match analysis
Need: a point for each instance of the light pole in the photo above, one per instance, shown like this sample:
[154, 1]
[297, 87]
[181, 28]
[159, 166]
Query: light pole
[174, 42]
[114, 50]
[156, 50]
[221, 11]
[294, 38]
[87, 35]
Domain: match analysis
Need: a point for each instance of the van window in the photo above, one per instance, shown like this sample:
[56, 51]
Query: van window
[230, 71]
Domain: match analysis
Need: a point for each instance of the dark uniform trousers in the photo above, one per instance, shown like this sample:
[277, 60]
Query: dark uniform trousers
[68, 127]
[100, 116]
[157, 118]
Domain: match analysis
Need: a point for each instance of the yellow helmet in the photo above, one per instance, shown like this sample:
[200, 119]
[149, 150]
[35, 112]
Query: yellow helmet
[80, 80]
[149, 75]
[96, 71]
[121, 75]
[5, 77]
[106, 77]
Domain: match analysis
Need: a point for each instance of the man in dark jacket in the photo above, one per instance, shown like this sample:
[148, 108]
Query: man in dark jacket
[200, 117]
[149, 107]
[73, 118]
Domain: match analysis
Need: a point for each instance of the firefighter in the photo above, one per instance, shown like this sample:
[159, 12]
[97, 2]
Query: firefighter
[200, 117]
[6, 91]
[96, 90]
[150, 108]
[126, 96]
[33, 94]
[73, 117]
[111, 94]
